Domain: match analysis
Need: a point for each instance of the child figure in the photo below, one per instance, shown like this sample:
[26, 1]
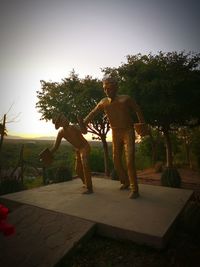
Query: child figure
[74, 136]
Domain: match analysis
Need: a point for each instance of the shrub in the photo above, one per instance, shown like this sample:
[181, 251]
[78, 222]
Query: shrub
[49, 174]
[63, 174]
[171, 178]
[114, 175]
[191, 219]
[96, 159]
[10, 186]
[57, 174]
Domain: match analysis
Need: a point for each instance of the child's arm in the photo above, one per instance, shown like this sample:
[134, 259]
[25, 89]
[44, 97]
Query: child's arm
[57, 142]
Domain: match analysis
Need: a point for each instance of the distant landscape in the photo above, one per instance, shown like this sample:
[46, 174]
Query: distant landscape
[15, 137]
[12, 138]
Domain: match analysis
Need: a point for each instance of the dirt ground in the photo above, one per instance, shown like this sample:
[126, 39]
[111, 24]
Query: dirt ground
[183, 249]
[190, 178]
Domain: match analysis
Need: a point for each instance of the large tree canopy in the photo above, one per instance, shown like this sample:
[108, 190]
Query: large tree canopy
[74, 97]
[166, 86]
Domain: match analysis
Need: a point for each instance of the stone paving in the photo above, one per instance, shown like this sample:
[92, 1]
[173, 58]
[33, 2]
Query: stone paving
[42, 237]
[53, 219]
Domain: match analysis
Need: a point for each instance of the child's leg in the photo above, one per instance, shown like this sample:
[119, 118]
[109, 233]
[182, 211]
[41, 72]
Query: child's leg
[84, 153]
[79, 167]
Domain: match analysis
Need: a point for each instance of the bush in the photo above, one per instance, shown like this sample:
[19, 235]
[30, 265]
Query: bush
[171, 178]
[191, 219]
[114, 175]
[33, 183]
[57, 174]
[8, 186]
[63, 174]
[49, 174]
[96, 159]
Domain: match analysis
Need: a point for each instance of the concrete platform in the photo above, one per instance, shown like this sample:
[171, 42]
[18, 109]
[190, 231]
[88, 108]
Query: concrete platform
[148, 219]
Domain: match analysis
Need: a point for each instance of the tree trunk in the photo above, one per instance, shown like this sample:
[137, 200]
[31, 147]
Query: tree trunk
[21, 163]
[3, 131]
[106, 156]
[169, 156]
[154, 150]
[187, 151]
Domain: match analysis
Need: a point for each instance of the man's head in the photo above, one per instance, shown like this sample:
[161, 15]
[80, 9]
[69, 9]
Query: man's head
[59, 120]
[110, 87]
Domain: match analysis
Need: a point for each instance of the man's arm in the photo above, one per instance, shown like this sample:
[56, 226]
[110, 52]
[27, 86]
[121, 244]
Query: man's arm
[141, 128]
[135, 108]
[93, 113]
[57, 142]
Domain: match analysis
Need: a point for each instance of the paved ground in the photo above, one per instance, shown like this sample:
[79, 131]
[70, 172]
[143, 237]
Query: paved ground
[42, 237]
[148, 219]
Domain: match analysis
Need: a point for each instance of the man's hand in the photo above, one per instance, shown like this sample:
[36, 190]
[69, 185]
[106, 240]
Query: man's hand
[142, 129]
[82, 125]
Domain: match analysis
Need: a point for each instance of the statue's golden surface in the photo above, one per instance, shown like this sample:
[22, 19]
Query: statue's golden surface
[119, 110]
[73, 135]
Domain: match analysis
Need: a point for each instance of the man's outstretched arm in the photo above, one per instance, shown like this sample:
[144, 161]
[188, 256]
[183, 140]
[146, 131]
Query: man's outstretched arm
[93, 113]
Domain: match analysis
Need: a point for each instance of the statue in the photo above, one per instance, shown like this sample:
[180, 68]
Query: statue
[74, 136]
[119, 109]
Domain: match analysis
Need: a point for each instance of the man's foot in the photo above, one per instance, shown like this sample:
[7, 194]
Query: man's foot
[133, 195]
[87, 191]
[124, 186]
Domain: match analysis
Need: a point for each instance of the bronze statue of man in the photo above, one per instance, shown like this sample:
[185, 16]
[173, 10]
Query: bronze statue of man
[119, 110]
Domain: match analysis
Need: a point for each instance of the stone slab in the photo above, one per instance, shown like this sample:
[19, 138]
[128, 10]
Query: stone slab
[42, 237]
[148, 219]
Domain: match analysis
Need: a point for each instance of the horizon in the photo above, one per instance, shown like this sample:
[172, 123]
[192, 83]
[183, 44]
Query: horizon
[46, 40]
[88, 137]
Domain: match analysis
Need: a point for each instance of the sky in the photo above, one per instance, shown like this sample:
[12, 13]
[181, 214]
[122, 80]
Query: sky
[47, 39]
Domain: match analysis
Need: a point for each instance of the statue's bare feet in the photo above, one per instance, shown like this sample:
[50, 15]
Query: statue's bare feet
[133, 195]
[124, 186]
[87, 191]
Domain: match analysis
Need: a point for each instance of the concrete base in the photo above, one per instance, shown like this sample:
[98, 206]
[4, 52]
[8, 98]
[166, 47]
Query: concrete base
[148, 219]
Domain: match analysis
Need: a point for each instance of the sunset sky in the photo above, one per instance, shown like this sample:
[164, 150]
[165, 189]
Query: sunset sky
[46, 39]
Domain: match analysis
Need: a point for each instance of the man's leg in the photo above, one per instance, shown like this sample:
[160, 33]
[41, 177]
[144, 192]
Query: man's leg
[129, 144]
[117, 144]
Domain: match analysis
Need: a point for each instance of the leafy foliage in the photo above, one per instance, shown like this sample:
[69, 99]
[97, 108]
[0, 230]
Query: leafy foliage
[171, 178]
[10, 186]
[75, 98]
[166, 86]
[191, 219]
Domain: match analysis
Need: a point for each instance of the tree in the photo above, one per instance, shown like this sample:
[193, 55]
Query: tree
[75, 97]
[195, 144]
[3, 130]
[153, 146]
[166, 86]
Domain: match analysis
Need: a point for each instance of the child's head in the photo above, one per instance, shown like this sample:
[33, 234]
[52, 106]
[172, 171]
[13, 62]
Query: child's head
[60, 120]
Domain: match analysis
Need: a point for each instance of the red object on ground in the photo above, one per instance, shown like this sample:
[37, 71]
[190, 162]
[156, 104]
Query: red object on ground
[5, 227]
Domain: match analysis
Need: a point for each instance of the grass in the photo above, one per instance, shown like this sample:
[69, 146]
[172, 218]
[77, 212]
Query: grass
[33, 183]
